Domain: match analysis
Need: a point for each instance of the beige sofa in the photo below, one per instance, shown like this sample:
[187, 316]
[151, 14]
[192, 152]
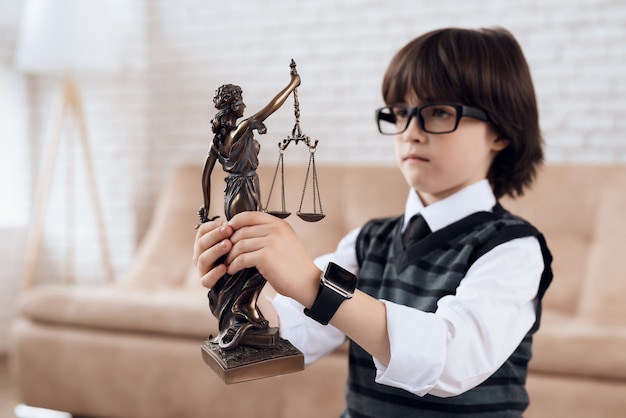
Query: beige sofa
[133, 349]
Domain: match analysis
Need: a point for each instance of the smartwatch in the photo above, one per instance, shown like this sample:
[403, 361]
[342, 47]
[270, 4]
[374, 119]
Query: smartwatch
[336, 285]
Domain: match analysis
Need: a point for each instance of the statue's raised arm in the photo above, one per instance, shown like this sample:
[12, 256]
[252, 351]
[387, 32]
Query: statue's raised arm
[271, 107]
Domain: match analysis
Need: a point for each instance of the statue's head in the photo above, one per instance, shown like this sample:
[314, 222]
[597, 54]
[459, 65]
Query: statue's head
[226, 95]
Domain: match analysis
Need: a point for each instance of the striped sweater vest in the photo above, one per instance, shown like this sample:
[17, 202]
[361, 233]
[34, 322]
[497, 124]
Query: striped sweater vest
[418, 277]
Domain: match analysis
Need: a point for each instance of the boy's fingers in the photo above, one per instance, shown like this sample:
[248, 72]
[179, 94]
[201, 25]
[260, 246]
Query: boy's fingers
[249, 218]
[209, 279]
[211, 243]
[213, 256]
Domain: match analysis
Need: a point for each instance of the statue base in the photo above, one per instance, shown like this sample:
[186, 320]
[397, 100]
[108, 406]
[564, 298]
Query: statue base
[246, 362]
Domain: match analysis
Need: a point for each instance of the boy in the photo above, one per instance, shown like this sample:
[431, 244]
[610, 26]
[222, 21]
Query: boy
[441, 322]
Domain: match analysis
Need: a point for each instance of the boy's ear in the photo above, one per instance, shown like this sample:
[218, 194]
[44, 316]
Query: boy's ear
[499, 144]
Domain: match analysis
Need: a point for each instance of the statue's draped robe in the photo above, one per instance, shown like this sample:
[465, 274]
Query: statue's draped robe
[233, 298]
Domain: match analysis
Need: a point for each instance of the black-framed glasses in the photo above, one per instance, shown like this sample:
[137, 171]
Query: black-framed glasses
[434, 118]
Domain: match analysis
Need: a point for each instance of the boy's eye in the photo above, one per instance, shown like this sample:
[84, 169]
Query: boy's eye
[440, 112]
[400, 113]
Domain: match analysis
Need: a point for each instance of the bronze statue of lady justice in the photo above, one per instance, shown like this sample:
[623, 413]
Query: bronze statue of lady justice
[232, 300]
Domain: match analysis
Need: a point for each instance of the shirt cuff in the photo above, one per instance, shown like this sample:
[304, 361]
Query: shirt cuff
[313, 339]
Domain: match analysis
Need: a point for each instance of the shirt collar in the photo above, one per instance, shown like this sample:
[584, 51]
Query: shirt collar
[477, 197]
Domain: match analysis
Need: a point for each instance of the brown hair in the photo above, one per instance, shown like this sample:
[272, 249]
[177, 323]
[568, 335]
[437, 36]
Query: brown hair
[483, 68]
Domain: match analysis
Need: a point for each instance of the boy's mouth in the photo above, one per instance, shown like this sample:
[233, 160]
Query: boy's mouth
[415, 157]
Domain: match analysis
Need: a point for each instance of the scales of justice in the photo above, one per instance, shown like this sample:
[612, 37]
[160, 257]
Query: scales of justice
[246, 347]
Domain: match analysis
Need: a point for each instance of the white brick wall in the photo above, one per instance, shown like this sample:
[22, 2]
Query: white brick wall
[157, 114]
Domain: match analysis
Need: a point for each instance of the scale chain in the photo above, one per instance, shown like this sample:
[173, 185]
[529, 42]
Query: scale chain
[297, 136]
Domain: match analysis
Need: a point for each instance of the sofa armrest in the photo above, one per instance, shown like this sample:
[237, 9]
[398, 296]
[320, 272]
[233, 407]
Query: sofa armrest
[175, 312]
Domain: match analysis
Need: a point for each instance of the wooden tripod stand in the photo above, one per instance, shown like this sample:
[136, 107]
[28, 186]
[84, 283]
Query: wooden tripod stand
[69, 102]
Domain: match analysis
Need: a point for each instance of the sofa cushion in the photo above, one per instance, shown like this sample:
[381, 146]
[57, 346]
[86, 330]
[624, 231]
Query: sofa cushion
[563, 204]
[166, 248]
[575, 345]
[603, 293]
[169, 311]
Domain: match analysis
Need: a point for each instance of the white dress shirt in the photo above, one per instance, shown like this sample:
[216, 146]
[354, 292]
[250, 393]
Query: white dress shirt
[472, 332]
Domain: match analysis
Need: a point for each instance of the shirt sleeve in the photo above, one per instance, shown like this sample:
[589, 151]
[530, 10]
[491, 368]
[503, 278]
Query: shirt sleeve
[473, 332]
[313, 339]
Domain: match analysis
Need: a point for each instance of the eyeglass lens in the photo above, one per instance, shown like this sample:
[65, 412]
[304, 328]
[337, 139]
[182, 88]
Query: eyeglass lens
[436, 118]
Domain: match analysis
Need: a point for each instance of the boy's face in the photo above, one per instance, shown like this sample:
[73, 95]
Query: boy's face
[438, 165]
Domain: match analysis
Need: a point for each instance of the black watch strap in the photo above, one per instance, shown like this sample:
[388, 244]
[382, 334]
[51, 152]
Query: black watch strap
[336, 285]
[326, 304]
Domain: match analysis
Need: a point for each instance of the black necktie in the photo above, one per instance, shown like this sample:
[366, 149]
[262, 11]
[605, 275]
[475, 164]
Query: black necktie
[415, 230]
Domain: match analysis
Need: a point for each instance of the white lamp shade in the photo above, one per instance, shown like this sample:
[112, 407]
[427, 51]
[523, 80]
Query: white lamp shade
[68, 36]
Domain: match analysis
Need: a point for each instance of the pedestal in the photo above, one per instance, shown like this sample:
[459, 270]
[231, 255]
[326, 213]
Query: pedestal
[245, 363]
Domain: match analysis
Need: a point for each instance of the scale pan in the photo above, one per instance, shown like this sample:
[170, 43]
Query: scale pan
[279, 214]
[311, 217]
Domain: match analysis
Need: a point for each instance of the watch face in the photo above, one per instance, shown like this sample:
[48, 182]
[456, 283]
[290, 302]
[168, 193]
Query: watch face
[340, 277]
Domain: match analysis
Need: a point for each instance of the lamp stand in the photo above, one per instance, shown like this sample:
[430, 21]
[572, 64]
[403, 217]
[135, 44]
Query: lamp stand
[69, 102]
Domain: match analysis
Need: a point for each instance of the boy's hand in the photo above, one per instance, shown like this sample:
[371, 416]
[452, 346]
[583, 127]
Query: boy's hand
[270, 244]
[211, 244]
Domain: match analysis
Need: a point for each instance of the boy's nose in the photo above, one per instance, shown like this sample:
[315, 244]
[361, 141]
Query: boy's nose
[414, 132]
